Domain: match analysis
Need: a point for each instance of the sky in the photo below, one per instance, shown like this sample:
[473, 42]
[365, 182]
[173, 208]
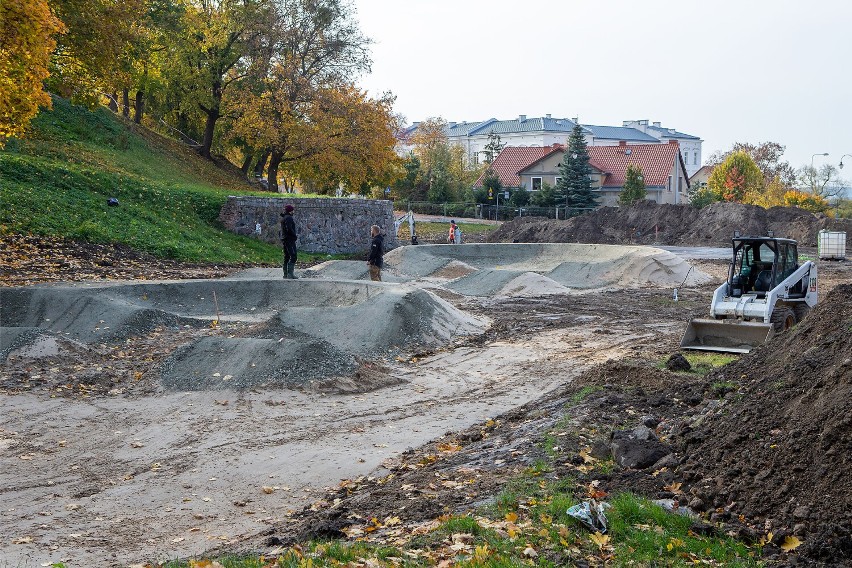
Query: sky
[723, 70]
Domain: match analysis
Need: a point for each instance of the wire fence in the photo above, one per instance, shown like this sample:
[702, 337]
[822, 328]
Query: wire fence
[493, 212]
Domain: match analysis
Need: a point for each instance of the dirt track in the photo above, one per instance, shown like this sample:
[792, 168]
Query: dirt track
[90, 465]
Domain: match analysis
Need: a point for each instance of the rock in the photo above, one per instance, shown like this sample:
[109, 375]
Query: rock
[638, 448]
[650, 421]
[678, 363]
[670, 461]
[801, 512]
[697, 504]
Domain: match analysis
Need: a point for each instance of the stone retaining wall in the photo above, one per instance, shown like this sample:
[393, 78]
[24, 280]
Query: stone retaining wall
[330, 226]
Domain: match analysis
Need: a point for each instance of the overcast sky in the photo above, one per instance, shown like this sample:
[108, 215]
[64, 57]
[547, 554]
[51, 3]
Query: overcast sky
[724, 70]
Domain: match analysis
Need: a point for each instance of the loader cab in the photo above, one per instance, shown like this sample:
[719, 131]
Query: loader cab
[760, 264]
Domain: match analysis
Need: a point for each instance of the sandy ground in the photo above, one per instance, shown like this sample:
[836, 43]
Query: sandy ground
[133, 473]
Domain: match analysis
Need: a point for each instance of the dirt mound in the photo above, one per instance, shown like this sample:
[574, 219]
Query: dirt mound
[647, 222]
[782, 452]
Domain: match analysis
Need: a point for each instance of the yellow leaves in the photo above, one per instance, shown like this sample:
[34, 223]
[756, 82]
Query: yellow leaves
[674, 543]
[511, 517]
[766, 539]
[587, 457]
[601, 540]
[790, 543]
[448, 447]
[27, 43]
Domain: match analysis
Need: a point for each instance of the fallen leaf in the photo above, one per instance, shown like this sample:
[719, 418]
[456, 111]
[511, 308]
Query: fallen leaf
[790, 543]
[530, 552]
[601, 540]
[674, 487]
[511, 517]
[267, 489]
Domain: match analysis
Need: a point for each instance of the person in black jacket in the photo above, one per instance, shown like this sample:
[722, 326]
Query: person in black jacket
[376, 251]
[288, 238]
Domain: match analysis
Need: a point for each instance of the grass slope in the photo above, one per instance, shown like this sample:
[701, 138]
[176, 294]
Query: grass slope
[57, 183]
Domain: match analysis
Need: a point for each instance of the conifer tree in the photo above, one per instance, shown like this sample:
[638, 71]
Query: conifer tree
[575, 184]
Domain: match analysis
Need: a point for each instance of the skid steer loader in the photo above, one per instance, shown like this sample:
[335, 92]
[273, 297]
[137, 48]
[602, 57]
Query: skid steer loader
[767, 292]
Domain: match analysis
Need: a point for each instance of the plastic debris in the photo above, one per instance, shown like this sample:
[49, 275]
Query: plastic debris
[590, 514]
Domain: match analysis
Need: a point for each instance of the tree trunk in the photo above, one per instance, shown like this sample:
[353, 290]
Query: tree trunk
[212, 116]
[125, 99]
[272, 171]
[209, 127]
[261, 164]
[246, 164]
[139, 109]
[113, 102]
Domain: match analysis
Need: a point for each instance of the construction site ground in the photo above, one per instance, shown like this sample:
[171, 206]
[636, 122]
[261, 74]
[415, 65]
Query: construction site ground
[133, 446]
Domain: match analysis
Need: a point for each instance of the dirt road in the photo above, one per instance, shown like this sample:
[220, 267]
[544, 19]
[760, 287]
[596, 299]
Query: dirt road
[122, 471]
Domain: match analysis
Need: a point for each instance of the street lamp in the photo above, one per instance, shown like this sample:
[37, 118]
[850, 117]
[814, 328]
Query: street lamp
[841, 159]
[815, 155]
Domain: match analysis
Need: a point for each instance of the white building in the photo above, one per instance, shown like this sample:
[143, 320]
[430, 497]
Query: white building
[545, 131]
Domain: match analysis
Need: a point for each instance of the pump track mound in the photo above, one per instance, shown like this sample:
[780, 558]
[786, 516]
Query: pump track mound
[142, 422]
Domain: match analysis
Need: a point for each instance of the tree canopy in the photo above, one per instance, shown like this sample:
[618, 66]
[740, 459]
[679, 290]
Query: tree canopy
[27, 39]
[634, 186]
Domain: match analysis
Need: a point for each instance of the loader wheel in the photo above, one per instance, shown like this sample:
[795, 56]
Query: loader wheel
[801, 310]
[782, 319]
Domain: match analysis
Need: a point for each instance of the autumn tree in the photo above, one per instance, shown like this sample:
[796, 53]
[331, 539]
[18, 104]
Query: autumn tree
[806, 200]
[89, 59]
[736, 179]
[823, 181]
[766, 156]
[428, 139]
[27, 30]
[221, 42]
[634, 186]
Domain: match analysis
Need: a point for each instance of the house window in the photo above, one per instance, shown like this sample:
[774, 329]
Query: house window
[557, 180]
[474, 158]
[695, 158]
[536, 184]
[679, 184]
[669, 184]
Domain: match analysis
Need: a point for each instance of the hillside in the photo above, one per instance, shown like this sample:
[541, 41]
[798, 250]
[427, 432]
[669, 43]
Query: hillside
[56, 184]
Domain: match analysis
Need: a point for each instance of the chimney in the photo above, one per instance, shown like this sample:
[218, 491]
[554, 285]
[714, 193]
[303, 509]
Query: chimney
[643, 123]
[522, 118]
[657, 124]
[547, 115]
[622, 143]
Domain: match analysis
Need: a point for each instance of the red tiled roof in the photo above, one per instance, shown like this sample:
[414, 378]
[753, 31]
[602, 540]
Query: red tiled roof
[656, 161]
[513, 159]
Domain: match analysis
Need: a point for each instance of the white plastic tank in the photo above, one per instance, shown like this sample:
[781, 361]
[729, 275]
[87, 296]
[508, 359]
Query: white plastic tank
[831, 244]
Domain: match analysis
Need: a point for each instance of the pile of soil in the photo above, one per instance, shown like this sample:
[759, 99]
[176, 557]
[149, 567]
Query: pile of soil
[647, 222]
[781, 450]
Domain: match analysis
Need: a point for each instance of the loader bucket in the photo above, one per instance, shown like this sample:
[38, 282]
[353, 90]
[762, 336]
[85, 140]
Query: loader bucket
[728, 336]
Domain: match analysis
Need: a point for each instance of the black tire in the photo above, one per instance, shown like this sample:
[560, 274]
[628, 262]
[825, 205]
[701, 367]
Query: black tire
[783, 318]
[801, 310]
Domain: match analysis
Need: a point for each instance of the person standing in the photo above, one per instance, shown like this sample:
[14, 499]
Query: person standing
[288, 238]
[451, 236]
[377, 248]
[457, 235]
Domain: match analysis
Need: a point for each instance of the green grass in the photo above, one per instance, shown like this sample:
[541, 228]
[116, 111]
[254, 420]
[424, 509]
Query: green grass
[58, 180]
[703, 363]
[530, 514]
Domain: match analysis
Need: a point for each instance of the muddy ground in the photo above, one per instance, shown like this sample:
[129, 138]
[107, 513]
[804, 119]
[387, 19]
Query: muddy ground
[95, 453]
